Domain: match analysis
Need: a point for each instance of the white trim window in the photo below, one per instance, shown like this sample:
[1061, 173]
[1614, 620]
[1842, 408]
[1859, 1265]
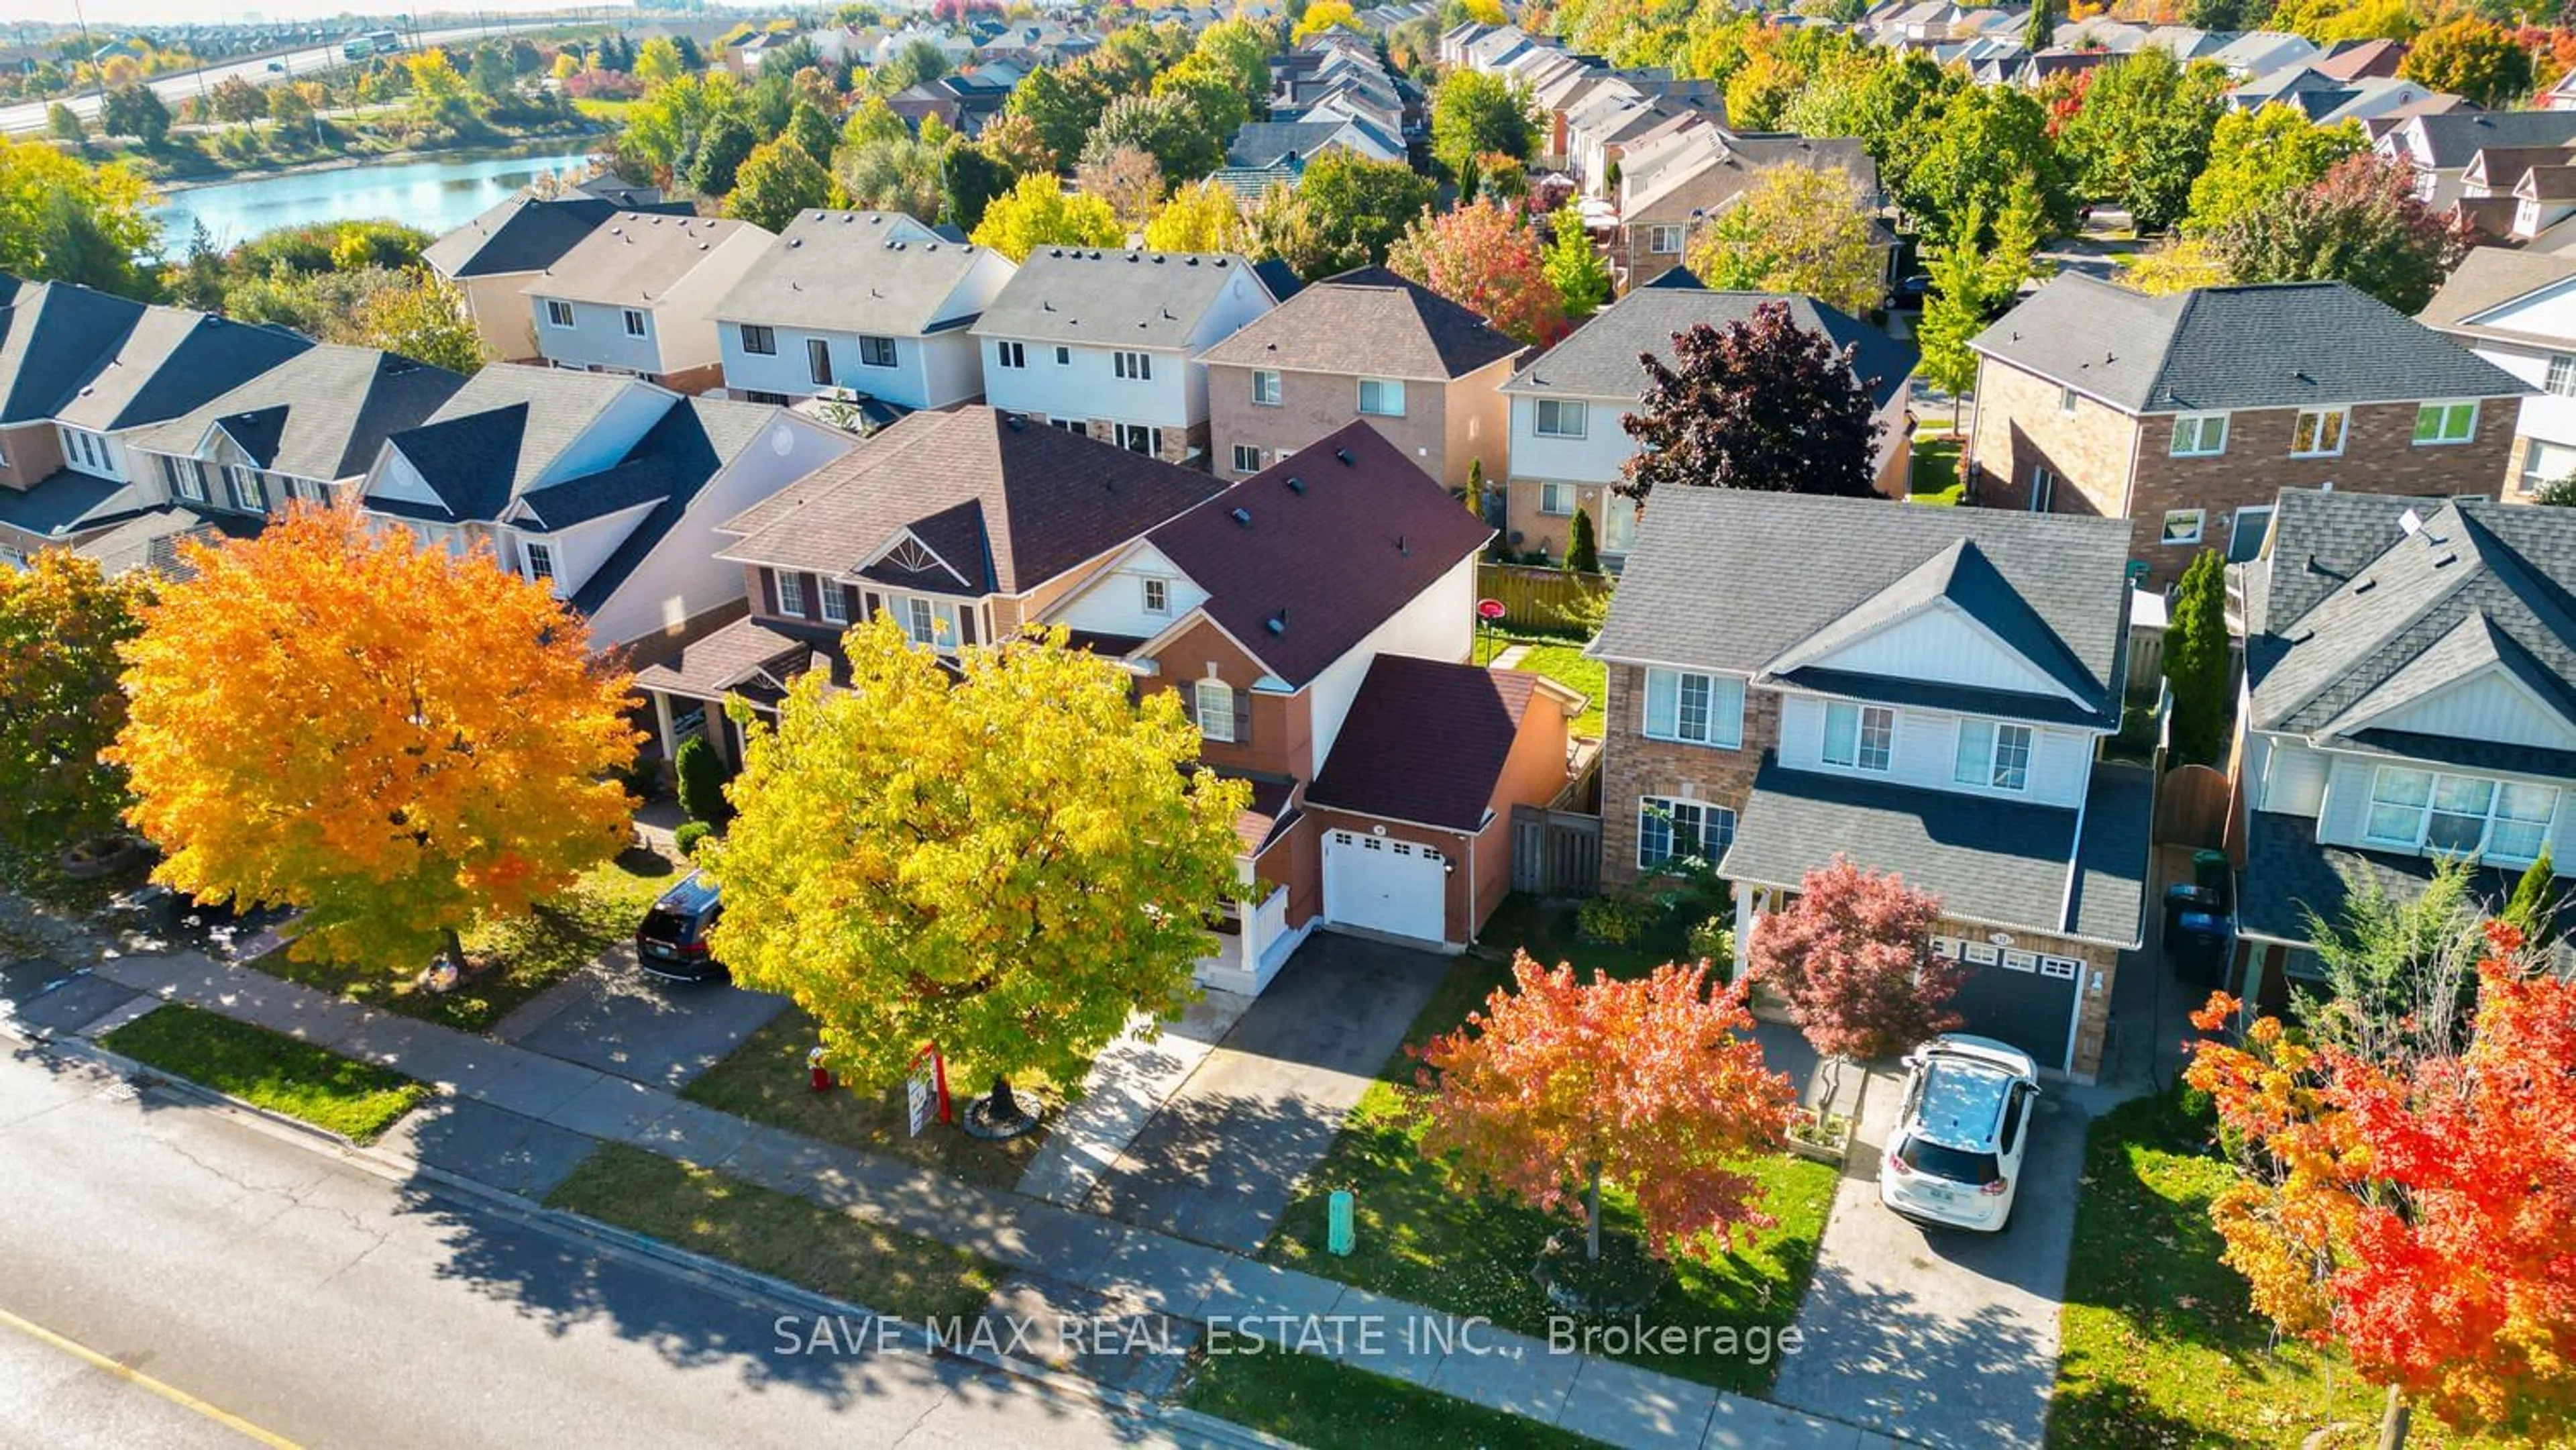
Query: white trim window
[1382, 397]
[2183, 526]
[248, 495]
[1247, 459]
[2437, 813]
[1158, 596]
[1556, 500]
[1993, 754]
[2318, 432]
[1265, 389]
[878, 352]
[1213, 702]
[1011, 354]
[1665, 241]
[836, 602]
[1559, 418]
[2545, 463]
[1135, 367]
[818, 359]
[185, 476]
[2068, 400]
[1695, 709]
[1063, 357]
[1859, 737]
[2439, 425]
[1672, 830]
[558, 312]
[2561, 377]
[540, 559]
[2043, 488]
[1140, 438]
[791, 593]
[759, 341]
[929, 624]
[2199, 435]
[634, 323]
[2245, 535]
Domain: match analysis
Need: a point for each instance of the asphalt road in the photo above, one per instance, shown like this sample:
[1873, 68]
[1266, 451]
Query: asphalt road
[30, 116]
[238, 1275]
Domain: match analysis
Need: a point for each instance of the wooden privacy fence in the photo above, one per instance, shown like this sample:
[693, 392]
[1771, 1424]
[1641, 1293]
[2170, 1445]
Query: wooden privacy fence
[2191, 806]
[1555, 853]
[1535, 597]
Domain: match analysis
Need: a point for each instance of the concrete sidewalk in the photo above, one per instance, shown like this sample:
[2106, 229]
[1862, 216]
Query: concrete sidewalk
[1609, 1401]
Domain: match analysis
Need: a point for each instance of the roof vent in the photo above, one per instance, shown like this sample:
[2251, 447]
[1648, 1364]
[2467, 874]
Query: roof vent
[1242, 516]
[2365, 586]
[1402, 547]
[1296, 484]
[794, 242]
[1158, 259]
[1277, 623]
[1220, 261]
[1192, 262]
[2446, 561]
[2409, 521]
[1343, 454]
[1045, 305]
[1055, 251]
[1015, 421]
[1131, 256]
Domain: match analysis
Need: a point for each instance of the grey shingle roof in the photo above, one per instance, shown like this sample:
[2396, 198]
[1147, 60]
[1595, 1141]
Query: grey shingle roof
[1706, 585]
[322, 414]
[866, 271]
[2489, 277]
[173, 361]
[1992, 862]
[53, 338]
[2288, 876]
[1259, 143]
[2452, 139]
[1384, 763]
[1108, 297]
[634, 257]
[1367, 321]
[1599, 359]
[2285, 345]
[526, 234]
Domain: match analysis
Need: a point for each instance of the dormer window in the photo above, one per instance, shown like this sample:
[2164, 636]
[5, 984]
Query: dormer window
[541, 561]
[1859, 737]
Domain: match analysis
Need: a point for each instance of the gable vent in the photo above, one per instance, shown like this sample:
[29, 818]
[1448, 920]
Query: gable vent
[1242, 516]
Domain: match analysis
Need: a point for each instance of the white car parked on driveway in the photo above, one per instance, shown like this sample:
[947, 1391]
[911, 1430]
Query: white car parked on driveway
[1956, 1154]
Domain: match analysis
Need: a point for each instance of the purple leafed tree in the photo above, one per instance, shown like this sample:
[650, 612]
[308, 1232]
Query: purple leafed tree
[1762, 404]
[1852, 959]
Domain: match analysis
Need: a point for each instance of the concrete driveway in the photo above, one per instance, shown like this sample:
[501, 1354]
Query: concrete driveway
[1217, 1162]
[1949, 1339]
[613, 1017]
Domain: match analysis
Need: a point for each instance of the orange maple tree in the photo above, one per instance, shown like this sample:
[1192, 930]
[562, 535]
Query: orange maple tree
[1651, 1083]
[394, 739]
[1484, 257]
[2416, 1211]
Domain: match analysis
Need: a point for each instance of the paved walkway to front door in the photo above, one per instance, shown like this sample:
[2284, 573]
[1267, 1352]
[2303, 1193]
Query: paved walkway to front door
[1218, 1161]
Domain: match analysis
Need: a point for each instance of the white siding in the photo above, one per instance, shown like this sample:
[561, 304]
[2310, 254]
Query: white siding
[2545, 416]
[578, 551]
[1115, 602]
[395, 478]
[788, 371]
[1941, 645]
[1438, 625]
[1925, 754]
[618, 428]
[2486, 707]
[1594, 458]
[1089, 386]
[597, 338]
[2294, 777]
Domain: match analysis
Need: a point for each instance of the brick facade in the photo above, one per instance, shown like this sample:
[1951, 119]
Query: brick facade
[2093, 1010]
[1633, 766]
[1447, 426]
[32, 454]
[1187, 446]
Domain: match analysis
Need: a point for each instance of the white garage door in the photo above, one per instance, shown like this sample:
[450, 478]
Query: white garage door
[1385, 885]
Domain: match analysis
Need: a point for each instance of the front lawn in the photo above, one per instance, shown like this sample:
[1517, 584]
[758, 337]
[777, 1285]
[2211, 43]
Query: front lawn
[892, 1272]
[2161, 1346]
[1420, 1240]
[536, 951]
[356, 1100]
[1329, 1405]
[764, 1080]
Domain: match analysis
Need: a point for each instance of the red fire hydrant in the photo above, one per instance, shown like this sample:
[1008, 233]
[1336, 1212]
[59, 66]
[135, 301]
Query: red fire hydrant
[819, 1075]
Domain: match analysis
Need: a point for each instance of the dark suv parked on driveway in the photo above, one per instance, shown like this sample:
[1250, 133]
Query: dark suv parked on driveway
[672, 942]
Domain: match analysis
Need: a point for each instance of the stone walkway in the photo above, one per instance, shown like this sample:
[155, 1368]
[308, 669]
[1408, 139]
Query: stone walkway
[1217, 1291]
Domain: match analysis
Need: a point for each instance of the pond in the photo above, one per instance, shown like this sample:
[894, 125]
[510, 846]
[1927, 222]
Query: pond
[435, 195]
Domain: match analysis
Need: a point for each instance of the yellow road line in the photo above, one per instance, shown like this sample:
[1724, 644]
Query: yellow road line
[133, 1376]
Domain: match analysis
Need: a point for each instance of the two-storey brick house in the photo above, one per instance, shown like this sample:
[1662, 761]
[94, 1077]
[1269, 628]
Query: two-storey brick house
[2185, 414]
[1924, 691]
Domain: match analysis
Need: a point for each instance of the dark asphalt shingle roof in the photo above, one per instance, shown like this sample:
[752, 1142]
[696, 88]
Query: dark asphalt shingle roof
[1332, 549]
[1110, 297]
[1368, 321]
[1599, 359]
[525, 234]
[67, 503]
[322, 414]
[1706, 586]
[2289, 877]
[53, 338]
[174, 360]
[1386, 763]
[497, 435]
[2282, 345]
[674, 461]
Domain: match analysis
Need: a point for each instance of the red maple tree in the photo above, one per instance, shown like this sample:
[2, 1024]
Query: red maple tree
[1852, 959]
[1651, 1083]
[1484, 257]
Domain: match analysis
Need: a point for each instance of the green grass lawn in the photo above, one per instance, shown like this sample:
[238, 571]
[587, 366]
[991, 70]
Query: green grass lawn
[2161, 1346]
[536, 951]
[1422, 1240]
[764, 1080]
[1566, 664]
[1935, 478]
[887, 1270]
[613, 112]
[1331, 1406]
[354, 1099]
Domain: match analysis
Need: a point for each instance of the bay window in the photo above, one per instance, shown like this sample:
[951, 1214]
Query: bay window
[2459, 815]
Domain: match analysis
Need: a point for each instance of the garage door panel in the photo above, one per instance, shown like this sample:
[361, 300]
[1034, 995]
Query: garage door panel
[1380, 883]
[2029, 1009]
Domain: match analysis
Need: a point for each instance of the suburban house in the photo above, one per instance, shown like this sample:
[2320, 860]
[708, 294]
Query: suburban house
[1264, 143]
[2518, 311]
[2410, 695]
[1425, 377]
[1106, 343]
[491, 260]
[81, 373]
[2439, 148]
[638, 297]
[1927, 695]
[1568, 445]
[1317, 618]
[1697, 173]
[2185, 413]
[609, 489]
[963, 525]
[868, 303]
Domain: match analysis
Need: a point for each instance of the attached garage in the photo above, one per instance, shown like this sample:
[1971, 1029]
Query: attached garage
[2025, 998]
[1383, 884]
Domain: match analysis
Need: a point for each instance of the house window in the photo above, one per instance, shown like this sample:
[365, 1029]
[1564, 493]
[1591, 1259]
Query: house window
[1993, 754]
[2043, 487]
[634, 323]
[558, 314]
[926, 623]
[541, 560]
[878, 352]
[1064, 357]
[2199, 435]
[1215, 704]
[1134, 366]
[1247, 459]
[186, 477]
[2318, 433]
[2066, 401]
[2183, 526]
[1011, 354]
[2459, 815]
[1670, 830]
[759, 341]
[2546, 463]
[2440, 423]
[1862, 737]
[2562, 375]
[1560, 419]
[1664, 241]
[1140, 438]
[1265, 389]
[2245, 536]
[247, 493]
[1382, 397]
[1158, 596]
[818, 359]
[1695, 709]
[1556, 500]
[836, 603]
[791, 594]
[1075, 426]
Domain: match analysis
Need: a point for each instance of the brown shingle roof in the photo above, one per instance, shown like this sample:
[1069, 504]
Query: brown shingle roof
[1388, 762]
[1368, 321]
[1005, 502]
